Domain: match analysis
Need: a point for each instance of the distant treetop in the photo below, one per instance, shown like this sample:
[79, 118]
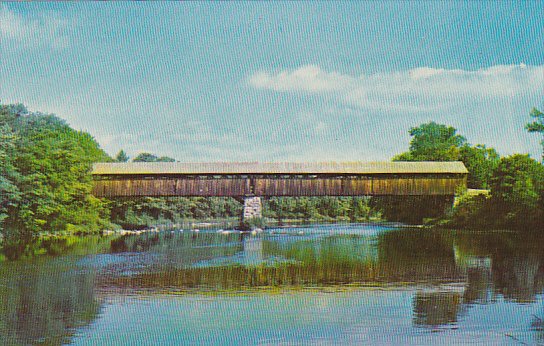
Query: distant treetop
[147, 157]
[122, 157]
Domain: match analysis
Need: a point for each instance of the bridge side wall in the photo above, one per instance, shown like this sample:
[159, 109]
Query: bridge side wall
[171, 187]
[280, 186]
[358, 186]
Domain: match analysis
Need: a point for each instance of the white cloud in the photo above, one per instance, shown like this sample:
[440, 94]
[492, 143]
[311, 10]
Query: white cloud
[33, 32]
[489, 105]
[421, 89]
[308, 78]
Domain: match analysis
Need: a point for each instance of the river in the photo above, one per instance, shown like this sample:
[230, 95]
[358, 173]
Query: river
[320, 284]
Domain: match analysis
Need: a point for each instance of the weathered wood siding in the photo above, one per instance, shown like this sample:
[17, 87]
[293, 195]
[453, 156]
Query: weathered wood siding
[282, 185]
[172, 187]
[298, 187]
[416, 185]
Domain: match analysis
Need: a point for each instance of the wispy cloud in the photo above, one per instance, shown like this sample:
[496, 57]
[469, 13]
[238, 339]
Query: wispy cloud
[308, 78]
[421, 89]
[45, 29]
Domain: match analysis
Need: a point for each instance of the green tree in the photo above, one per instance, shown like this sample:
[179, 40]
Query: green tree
[48, 167]
[433, 142]
[517, 192]
[537, 126]
[9, 193]
[165, 159]
[121, 156]
[147, 157]
[480, 162]
[147, 211]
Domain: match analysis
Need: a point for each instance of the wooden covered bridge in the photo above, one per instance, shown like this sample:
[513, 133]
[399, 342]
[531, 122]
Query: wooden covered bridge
[252, 180]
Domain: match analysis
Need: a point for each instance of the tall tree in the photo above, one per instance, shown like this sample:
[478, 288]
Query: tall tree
[121, 156]
[433, 142]
[537, 126]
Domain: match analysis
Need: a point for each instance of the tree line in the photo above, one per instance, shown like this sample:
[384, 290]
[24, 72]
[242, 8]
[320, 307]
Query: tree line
[45, 185]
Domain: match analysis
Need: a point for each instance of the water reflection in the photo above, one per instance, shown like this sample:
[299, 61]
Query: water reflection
[447, 274]
[474, 267]
[253, 250]
[487, 264]
[537, 325]
[44, 303]
[436, 308]
[418, 255]
[298, 258]
[511, 264]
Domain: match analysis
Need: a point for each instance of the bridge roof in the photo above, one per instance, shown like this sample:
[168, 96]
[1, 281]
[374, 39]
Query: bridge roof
[162, 168]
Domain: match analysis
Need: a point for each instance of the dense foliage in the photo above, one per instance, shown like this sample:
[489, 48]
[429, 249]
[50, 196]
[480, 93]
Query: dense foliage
[411, 209]
[516, 198]
[517, 192]
[481, 162]
[433, 142]
[131, 213]
[122, 156]
[8, 173]
[46, 185]
[320, 208]
[141, 212]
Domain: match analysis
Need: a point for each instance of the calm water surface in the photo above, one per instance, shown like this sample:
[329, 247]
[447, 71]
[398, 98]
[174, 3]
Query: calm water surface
[336, 284]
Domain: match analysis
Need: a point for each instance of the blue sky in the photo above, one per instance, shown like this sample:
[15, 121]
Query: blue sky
[277, 81]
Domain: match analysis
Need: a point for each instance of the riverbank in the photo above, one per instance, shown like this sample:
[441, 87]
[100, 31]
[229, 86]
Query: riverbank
[57, 243]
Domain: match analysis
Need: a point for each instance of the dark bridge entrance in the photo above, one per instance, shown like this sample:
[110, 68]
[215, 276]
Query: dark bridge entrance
[252, 179]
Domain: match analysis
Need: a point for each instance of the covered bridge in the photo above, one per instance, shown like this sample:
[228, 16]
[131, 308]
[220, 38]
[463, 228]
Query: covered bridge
[244, 179]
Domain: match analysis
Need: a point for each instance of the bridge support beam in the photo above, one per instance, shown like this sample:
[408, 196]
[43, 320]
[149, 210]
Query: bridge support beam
[253, 207]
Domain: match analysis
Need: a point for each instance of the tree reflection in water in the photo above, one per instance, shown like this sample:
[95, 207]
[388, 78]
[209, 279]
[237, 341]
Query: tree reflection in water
[44, 302]
[484, 264]
[436, 308]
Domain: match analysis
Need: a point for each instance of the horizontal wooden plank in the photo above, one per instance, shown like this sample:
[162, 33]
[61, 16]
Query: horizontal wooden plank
[232, 187]
[171, 187]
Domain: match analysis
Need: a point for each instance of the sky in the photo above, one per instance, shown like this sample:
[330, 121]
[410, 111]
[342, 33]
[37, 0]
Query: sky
[302, 81]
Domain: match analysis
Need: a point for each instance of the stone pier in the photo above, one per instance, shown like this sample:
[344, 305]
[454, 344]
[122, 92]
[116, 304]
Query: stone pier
[253, 207]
